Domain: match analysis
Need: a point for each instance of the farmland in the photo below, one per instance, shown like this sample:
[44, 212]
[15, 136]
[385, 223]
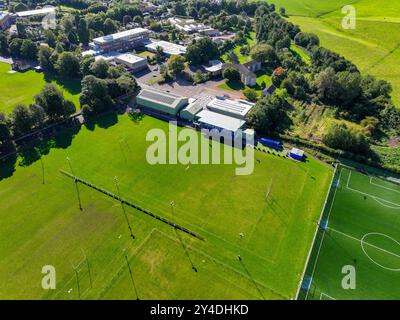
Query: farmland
[373, 46]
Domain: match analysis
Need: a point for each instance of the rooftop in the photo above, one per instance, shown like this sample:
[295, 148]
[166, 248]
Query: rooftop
[122, 35]
[220, 121]
[35, 12]
[129, 58]
[214, 65]
[297, 152]
[107, 56]
[160, 97]
[236, 107]
[168, 47]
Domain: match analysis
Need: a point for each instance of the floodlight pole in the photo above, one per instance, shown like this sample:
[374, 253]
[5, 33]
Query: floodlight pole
[130, 272]
[241, 235]
[123, 208]
[76, 184]
[77, 281]
[90, 274]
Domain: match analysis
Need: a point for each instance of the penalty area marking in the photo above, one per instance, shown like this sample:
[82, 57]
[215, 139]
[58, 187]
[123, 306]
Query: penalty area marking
[381, 201]
[378, 185]
[363, 242]
[323, 296]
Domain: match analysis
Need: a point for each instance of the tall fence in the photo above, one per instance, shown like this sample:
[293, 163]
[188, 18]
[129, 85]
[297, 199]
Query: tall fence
[132, 205]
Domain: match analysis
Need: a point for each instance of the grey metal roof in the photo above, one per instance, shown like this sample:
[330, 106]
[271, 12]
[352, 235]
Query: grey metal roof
[161, 97]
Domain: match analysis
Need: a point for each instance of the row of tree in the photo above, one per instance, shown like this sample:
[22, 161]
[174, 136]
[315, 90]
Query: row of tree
[49, 106]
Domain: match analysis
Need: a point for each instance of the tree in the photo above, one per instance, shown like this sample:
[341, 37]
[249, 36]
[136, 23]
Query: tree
[22, 25]
[231, 74]
[349, 84]
[51, 99]
[6, 143]
[268, 115]
[296, 85]
[263, 53]
[339, 136]
[21, 121]
[201, 51]
[159, 56]
[83, 32]
[50, 38]
[44, 57]
[15, 47]
[38, 115]
[85, 65]
[176, 64]
[278, 76]
[100, 68]
[306, 40]
[95, 95]
[126, 20]
[390, 118]
[3, 43]
[232, 57]
[138, 19]
[109, 26]
[68, 65]
[29, 49]
[126, 84]
[250, 94]
[326, 86]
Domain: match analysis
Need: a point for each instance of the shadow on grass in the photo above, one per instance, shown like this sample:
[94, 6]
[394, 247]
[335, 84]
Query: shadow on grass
[102, 121]
[72, 86]
[233, 85]
[7, 166]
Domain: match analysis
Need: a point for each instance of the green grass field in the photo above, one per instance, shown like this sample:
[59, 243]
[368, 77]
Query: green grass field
[374, 46]
[20, 88]
[41, 224]
[362, 231]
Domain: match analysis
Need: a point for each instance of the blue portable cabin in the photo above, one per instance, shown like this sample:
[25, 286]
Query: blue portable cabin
[271, 143]
[297, 154]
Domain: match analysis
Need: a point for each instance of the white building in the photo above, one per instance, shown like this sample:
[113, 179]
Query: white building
[37, 12]
[169, 48]
[132, 62]
[121, 41]
[232, 108]
[188, 25]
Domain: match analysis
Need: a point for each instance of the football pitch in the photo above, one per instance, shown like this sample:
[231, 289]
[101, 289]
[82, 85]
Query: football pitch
[96, 258]
[356, 254]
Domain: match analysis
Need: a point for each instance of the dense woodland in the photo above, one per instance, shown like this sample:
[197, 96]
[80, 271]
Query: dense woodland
[329, 80]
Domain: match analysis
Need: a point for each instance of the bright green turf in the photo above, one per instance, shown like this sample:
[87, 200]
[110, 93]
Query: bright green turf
[373, 46]
[41, 224]
[20, 88]
[352, 217]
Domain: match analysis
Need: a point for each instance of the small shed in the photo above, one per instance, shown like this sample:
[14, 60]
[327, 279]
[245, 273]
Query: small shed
[297, 154]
